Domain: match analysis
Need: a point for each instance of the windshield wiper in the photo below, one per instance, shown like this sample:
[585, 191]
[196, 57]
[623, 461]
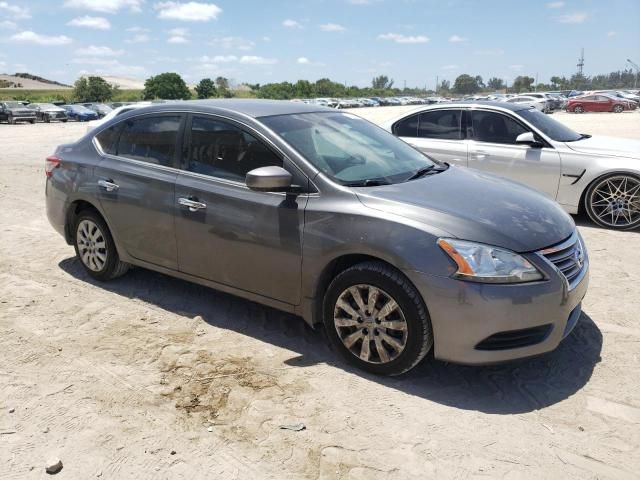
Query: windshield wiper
[369, 182]
[430, 170]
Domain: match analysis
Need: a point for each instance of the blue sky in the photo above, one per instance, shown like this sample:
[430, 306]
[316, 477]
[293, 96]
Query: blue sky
[346, 40]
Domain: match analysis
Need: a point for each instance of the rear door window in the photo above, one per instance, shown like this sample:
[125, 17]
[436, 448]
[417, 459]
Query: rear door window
[150, 139]
[441, 124]
[407, 127]
[108, 139]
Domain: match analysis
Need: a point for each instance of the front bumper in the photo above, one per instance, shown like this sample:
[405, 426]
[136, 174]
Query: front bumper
[476, 323]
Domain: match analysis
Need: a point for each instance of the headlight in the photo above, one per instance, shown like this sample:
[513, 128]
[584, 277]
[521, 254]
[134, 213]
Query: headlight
[484, 263]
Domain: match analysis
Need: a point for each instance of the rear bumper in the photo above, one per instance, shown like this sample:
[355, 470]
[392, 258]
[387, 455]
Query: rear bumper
[477, 324]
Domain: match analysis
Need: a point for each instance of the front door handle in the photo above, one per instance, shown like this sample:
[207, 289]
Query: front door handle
[480, 155]
[193, 205]
[108, 185]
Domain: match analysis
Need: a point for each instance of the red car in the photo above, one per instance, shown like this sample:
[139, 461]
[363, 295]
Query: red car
[598, 103]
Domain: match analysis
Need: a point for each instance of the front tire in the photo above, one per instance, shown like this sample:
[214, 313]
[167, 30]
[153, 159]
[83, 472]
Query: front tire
[613, 201]
[376, 319]
[95, 247]
[578, 109]
[618, 109]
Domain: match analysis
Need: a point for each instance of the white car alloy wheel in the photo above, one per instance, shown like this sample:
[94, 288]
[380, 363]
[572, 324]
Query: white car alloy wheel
[614, 202]
[92, 246]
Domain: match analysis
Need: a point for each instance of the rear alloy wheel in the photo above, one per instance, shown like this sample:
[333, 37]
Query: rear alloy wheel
[377, 320]
[618, 108]
[578, 109]
[613, 201]
[95, 247]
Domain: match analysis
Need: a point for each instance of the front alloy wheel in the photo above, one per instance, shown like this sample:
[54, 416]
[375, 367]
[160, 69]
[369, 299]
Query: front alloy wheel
[614, 202]
[376, 319]
[374, 330]
[618, 108]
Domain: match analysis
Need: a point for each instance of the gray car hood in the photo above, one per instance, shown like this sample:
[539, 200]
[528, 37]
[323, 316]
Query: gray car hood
[475, 206]
[610, 146]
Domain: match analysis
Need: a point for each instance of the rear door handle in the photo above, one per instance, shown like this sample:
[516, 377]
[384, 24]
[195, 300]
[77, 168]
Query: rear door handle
[480, 154]
[193, 205]
[108, 185]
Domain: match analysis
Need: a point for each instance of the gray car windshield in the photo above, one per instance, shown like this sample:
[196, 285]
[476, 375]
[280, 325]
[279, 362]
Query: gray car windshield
[348, 149]
[550, 127]
[14, 104]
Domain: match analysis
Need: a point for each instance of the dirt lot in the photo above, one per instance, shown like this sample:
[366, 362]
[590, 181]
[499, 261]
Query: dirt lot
[152, 377]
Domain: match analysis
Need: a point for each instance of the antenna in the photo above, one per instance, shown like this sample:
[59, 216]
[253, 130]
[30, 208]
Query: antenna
[580, 62]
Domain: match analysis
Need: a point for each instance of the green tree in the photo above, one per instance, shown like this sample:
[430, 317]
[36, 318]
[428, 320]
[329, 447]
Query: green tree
[466, 84]
[167, 86]
[303, 89]
[93, 89]
[444, 87]
[382, 82]
[522, 83]
[479, 81]
[206, 88]
[222, 83]
[495, 83]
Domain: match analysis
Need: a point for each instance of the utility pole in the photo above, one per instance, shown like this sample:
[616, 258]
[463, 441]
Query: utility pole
[536, 89]
[405, 85]
[635, 78]
[580, 62]
[436, 86]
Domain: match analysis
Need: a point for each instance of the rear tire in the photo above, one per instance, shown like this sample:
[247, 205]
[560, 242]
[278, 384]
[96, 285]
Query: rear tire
[95, 247]
[380, 336]
[618, 109]
[578, 109]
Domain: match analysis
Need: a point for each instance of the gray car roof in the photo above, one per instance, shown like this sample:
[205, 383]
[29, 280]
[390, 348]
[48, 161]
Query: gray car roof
[250, 107]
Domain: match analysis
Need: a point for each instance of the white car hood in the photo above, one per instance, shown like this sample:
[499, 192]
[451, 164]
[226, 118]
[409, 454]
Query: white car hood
[609, 146]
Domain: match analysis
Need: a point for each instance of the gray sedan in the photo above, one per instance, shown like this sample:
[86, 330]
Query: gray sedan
[598, 175]
[322, 214]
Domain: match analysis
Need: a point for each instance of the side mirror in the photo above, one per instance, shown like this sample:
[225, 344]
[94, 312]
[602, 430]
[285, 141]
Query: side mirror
[269, 179]
[527, 138]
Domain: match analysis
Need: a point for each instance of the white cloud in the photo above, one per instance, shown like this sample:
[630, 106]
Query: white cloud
[93, 51]
[266, 39]
[94, 61]
[140, 38]
[291, 23]
[332, 27]
[303, 61]
[555, 5]
[457, 39]
[97, 23]
[218, 59]
[188, 12]
[516, 67]
[177, 39]
[253, 60]
[578, 17]
[232, 43]
[8, 25]
[611, 34]
[46, 40]
[14, 11]
[450, 67]
[105, 6]
[399, 38]
[138, 30]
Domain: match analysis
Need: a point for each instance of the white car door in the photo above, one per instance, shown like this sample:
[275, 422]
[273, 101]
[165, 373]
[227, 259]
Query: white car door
[437, 133]
[493, 149]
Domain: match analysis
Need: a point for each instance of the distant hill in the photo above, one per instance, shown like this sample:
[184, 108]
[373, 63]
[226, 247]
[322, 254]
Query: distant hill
[124, 83]
[30, 82]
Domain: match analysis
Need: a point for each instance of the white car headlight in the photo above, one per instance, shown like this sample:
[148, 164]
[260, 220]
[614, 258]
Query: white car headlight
[484, 263]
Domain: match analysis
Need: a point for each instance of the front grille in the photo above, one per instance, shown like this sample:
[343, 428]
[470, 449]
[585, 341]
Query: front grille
[515, 338]
[568, 257]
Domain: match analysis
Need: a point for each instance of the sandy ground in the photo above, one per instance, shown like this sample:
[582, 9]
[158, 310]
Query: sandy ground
[153, 377]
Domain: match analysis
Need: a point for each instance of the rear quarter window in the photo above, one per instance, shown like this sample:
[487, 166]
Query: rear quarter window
[108, 139]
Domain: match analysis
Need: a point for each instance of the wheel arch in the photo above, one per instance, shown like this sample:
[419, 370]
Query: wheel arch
[330, 271]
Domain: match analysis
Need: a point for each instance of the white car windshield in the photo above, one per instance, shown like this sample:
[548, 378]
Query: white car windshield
[550, 127]
[348, 149]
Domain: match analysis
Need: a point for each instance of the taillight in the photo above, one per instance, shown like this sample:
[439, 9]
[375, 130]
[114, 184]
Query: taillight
[50, 164]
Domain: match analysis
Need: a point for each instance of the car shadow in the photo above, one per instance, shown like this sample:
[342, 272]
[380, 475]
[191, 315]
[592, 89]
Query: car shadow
[516, 387]
[583, 220]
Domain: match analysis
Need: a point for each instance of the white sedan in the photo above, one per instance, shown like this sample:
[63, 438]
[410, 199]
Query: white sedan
[114, 113]
[599, 175]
